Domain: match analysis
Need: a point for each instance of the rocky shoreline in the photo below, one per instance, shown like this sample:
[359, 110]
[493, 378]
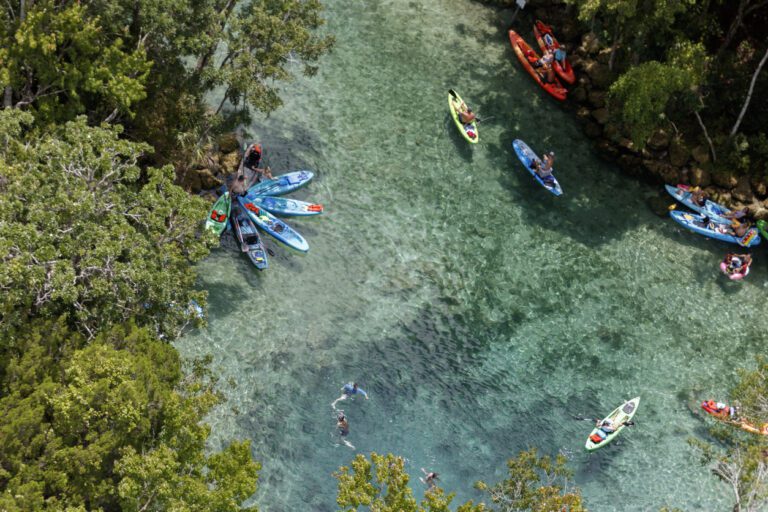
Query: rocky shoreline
[666, 158]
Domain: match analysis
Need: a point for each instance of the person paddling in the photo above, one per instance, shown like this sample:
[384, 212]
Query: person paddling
[544, 167]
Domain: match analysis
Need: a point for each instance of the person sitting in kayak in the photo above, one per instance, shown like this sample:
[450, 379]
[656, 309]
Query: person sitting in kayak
[466, 116]
[545, 63]
[739, 215]
[544, 168]
[605, 428]
[739, 228]
[698, 196]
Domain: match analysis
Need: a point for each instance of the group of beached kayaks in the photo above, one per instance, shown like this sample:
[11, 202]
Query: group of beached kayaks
[246, 214]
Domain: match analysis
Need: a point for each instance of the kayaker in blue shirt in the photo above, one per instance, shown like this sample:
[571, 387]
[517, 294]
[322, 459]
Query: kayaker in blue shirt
[349, 389]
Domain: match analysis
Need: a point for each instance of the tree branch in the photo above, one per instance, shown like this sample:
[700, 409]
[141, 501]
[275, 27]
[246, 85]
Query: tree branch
[749, 94]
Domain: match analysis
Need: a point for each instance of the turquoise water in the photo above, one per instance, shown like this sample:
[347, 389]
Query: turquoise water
[480, 312]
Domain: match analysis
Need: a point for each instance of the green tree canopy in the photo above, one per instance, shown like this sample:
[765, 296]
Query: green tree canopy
[86, 233]
[111, 425]
[59, 62]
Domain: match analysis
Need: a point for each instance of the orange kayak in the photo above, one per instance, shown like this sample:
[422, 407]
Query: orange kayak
[562, 67]
[527, 57]
[730, 415]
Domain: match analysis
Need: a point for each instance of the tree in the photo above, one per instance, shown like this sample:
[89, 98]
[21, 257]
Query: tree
[535, 484]
[86, 233]
[743, 465]
[241, 47]
[640, 97]
[381, 485]
[109, 425]
[58, 62]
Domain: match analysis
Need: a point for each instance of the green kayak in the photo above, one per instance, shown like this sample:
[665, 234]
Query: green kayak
[469, 130]
[623, 413]
[219, 214]
[762, 227]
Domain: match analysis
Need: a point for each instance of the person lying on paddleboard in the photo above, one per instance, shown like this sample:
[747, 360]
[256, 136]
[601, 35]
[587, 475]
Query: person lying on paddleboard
[544, 167]
[349, 389]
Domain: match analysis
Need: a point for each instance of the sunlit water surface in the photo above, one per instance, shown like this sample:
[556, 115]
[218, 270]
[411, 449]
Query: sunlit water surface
[482, 314]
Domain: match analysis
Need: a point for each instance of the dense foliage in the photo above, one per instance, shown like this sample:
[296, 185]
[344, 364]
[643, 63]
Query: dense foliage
[110, 424]
[86, 233]
[534, 484]
[150, 64]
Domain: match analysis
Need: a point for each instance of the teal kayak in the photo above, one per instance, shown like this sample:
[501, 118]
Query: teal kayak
[274, 226]
[281, 184]
[285, 206]
[622, 414]
[702, 225]
[763, 228]
[219, 214]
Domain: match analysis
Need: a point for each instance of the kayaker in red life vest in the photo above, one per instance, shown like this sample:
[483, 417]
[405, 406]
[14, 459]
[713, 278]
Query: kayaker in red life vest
[252, 160]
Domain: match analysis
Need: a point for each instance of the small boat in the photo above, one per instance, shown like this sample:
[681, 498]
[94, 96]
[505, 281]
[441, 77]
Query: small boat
[285, 206]
[622, 414]
[735, 271]
[248, 236]
[546, 39]
[217, 217]
[527, 57]
[274, 226]
[730, 415]
[683, 194]
[527, 157]
[282, 184]
[720, 231]
[469, 130]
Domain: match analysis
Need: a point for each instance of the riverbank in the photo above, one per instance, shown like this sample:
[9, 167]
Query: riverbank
[672, 155]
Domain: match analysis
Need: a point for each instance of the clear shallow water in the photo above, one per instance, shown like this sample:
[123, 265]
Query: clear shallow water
[480, 312]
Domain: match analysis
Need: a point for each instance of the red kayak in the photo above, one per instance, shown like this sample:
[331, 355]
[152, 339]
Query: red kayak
[547, 41]
[527, 57]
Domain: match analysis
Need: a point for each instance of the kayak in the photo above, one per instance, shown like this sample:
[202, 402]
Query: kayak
[618, 417]
[527, 156]
[217, 217]
[730, 415]
[717, 230]
[281, 184]
[274, 226]
[711, 209]
[762, 227]
[248, 235]
[469, 130]
[527, 57]
[726, 413]
[285, 206]
[547, 41]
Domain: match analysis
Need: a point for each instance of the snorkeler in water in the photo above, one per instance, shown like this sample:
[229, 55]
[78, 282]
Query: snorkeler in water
[349, 389]
[343, 425]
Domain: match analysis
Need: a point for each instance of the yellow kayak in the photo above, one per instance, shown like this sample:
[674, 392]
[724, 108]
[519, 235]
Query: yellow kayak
[469, 130]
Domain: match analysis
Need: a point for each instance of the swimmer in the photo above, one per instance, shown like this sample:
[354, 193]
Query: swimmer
[349, 389]
[343, 425]
[429, 478]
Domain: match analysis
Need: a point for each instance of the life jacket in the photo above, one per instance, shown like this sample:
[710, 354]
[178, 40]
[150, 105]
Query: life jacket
[596, 438]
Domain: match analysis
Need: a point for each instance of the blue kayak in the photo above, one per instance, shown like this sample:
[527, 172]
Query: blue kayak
[281, 184]
[274, 226]
[719, 231]
[285, 206]
[527, 156]
[711, 209]
[249, 238]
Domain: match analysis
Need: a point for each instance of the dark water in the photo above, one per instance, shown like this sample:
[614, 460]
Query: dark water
[480, 313]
